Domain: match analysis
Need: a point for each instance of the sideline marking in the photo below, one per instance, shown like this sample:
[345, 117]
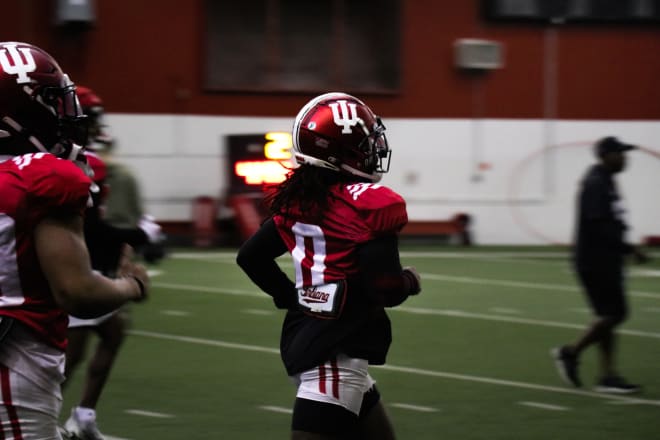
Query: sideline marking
[237, 292]
[418, 310]
[632, 401]
[202, 341]
[522, 255]
[277, 409]
[521, 284]
[513, 319]
[545, 406]
[645, 272]
[175, 313]
[139, 412]
[457, 279]
[505, 310]
[580, 310]
[258, 312]
[409, 370]
[413, 407]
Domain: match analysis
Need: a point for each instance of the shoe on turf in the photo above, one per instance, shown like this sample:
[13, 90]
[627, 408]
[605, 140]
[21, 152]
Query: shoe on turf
[82, 425]
[567, 365]
[616, 385]
[64, 433]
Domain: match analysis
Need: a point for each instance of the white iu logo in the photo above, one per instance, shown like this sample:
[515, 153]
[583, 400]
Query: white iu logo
[17, 66]
[347, 119]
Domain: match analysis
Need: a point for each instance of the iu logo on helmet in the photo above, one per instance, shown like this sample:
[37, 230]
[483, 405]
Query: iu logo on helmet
[17, 66]
[344, 114]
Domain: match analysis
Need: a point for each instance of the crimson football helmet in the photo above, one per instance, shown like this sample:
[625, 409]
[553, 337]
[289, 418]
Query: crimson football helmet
[90, 102]
[92, 107]
[39, 110]
[340, 132]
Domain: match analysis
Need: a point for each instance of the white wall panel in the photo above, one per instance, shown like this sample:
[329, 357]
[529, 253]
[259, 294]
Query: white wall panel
[516, 177]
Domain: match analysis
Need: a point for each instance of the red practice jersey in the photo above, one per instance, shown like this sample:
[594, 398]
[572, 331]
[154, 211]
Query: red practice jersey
[34, 186]
[325, 251]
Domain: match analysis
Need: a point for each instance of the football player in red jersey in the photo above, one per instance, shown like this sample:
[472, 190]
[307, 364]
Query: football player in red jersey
[341, 228]
[45, 270]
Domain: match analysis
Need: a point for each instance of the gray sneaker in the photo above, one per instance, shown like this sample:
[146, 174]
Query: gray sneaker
[616, 385]
[64, 433]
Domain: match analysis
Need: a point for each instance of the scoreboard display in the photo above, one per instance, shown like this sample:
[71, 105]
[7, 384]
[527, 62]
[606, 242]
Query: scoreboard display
[257, 160]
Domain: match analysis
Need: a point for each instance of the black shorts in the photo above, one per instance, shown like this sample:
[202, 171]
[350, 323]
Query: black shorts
[604, 288]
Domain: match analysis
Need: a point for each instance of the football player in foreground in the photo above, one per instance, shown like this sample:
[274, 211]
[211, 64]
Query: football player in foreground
[104, 242]
[45, 270]
[341, 228]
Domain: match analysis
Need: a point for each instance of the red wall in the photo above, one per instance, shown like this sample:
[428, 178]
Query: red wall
[145, 57]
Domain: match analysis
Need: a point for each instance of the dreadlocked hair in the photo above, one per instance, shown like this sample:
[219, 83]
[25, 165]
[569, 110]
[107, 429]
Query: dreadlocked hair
[308, 187]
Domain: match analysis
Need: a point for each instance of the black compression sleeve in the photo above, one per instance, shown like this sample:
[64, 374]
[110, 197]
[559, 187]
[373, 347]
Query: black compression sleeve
[257, 259]
[382, 274]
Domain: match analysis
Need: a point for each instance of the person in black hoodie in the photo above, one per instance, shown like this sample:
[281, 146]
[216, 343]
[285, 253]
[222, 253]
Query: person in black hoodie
[599, 255]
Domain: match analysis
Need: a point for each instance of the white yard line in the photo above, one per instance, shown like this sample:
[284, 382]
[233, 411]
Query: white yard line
[140, 412]
[175, 313]
[237, 292]
[645, 273]
[413, 407]
[258, 312]
[505, 310]
[520, 284]
[202, 255]
[408, 370]
[417, 254]
[418, 310]
[545, 406]
[485, 255]
[513, 320]
[632, 401]
[277, 409]
[280, 409]
[202, 341]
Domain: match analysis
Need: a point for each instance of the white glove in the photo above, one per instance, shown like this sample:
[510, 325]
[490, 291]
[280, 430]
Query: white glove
[152, 229]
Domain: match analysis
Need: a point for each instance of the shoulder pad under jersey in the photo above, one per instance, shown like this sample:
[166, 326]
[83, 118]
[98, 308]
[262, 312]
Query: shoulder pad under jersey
[54, 182]
[382, 209]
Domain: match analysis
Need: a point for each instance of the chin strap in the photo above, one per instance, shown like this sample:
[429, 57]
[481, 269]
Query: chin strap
[16, 129]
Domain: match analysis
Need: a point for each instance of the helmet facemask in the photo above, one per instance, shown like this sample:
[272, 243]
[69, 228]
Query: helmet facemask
[375, 153]
[72, 125]
[375, 145]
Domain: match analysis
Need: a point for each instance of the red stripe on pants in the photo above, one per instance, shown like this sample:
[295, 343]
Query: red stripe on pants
[322, 379]
[335, 379]
[6, 401]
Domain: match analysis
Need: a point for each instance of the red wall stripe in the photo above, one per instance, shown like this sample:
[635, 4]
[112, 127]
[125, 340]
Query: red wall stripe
[603, 71]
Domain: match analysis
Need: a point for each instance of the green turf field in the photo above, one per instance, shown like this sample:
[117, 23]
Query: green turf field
[470, 357]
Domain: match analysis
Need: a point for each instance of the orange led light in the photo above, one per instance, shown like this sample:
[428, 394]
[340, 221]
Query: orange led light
[275, 165]
[279, 147]
[259, 172]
